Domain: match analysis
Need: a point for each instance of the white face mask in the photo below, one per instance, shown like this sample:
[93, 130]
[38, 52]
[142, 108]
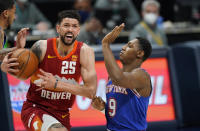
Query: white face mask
[150, 18]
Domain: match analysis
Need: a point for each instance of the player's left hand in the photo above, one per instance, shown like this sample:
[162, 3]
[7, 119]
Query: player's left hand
[110, 37]
[21, 38]
[48, 80]
[8, 64]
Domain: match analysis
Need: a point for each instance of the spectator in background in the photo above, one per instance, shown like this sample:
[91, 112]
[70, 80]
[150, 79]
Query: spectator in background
[148, 27]
[84, 7]
[92, 29]
[132, 17]
[91, 32]
[28, 15]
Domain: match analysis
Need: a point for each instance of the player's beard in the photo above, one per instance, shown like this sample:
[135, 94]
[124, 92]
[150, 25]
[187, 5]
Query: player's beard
[67, 43]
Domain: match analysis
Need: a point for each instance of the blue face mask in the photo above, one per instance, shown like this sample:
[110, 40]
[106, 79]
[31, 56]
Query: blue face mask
[84, 15]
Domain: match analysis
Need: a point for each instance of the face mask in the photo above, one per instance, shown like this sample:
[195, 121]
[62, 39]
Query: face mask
[84, 15]
[150, 18]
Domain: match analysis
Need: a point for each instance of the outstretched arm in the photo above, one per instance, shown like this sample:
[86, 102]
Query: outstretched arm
[137, 79]
[111, 65]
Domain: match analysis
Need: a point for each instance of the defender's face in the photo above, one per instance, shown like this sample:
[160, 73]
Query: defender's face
[68, 30]
[129, 51]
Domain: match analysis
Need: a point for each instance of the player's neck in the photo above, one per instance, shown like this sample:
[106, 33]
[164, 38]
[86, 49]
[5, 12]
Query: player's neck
[63, 49]
[130, 67]
[2, 24]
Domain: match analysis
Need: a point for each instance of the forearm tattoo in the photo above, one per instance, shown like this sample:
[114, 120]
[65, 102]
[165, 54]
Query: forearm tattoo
[36, 49]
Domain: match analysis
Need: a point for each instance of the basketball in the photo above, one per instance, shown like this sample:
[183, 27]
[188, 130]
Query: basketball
[28, 63]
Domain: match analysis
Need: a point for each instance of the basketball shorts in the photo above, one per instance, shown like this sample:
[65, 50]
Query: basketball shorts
[37, 118]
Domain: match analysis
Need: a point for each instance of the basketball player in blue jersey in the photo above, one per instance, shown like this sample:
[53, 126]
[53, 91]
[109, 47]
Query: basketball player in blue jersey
[7, 16]
[128, 89]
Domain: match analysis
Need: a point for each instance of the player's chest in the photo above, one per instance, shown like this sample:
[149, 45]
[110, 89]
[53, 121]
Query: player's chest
[114, 90]
[64, 67]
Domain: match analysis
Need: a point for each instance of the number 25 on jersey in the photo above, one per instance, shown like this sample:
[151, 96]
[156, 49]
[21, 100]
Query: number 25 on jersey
[68, 67]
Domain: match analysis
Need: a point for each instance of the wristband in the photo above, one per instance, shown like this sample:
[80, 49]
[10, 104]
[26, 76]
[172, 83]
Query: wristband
[56, 84]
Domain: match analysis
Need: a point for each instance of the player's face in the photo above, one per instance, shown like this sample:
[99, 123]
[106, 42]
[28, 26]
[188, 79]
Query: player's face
[11, 16]
[68, 30]
[129, 51]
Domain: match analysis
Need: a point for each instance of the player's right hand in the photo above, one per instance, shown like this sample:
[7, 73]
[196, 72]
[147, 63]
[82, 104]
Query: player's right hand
[21, 38]
[110, 37]
[98, 103]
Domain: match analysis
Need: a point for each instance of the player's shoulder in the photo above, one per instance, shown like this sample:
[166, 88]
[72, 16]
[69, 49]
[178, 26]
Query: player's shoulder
[41, 43]
[141, 71]
[86, 48]
[144, 76]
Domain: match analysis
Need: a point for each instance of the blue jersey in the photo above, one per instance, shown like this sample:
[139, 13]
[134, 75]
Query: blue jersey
[125, 109]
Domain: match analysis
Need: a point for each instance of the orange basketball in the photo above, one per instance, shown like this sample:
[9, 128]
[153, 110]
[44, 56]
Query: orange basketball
[28, 63]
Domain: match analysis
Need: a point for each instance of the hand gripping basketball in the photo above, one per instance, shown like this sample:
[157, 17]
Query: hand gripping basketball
[28, 63]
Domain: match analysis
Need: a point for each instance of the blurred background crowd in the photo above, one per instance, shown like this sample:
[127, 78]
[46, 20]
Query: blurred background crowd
[164, 23]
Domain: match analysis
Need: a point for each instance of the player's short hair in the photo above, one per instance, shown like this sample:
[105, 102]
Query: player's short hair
[6, 4]
[150, 2]
[145, 45]
[68, 14]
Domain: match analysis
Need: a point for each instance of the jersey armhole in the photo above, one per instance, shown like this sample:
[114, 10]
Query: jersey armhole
[134, 91]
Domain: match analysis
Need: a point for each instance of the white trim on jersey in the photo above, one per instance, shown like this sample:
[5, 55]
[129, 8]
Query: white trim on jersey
[136, 93]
